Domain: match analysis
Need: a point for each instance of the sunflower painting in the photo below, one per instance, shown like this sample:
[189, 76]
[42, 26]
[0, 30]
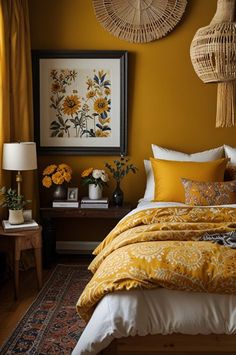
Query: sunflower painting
[80, 101]
[82, 114]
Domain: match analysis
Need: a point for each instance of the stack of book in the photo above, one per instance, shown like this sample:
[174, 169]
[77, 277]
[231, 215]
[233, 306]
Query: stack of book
[88, 203]
[65, 203]
[27, 225]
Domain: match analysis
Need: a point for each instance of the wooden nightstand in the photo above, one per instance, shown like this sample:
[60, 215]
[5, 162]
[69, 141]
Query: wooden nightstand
[50, 215]
[18, 241]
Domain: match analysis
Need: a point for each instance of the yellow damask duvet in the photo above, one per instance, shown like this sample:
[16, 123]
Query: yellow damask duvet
[160, 247]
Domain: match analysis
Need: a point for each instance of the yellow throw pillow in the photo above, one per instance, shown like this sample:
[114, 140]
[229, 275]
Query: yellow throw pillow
[168, 174]
[198, 193]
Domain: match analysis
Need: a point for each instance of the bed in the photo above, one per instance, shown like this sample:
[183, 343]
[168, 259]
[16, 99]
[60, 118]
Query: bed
[157, 288]
[164, 320]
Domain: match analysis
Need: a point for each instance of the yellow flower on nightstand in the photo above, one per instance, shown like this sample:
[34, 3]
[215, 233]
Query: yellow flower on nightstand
[57, 174]
[57, 178]
[67, 177]
[66, 167]
[49, 169]
[47, 181]
[87, 172]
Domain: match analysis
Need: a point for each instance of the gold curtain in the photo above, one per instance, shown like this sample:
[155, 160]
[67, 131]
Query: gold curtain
[16, 112]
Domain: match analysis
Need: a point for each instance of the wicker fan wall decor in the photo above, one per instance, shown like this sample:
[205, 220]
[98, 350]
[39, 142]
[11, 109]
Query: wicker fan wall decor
[139, 21]
[213, 55]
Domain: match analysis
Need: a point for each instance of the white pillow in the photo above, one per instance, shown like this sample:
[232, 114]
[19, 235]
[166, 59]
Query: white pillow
[207, 155]
[231, 154]
[150, 183]
[167, 154]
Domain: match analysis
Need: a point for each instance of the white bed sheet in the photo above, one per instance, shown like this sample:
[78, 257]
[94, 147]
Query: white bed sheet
[145, 204]
[158, 311]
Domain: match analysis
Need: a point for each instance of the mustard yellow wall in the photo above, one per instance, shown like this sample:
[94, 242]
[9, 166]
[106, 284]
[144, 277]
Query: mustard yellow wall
[168, 104]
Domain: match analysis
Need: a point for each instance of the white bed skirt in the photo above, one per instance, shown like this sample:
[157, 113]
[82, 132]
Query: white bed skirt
[158, 311]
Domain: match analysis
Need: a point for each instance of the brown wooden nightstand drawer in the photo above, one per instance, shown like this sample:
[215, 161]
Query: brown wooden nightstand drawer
[50, 216]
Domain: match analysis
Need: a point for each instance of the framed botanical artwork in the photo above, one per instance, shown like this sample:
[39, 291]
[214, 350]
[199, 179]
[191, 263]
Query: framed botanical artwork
[80, 102]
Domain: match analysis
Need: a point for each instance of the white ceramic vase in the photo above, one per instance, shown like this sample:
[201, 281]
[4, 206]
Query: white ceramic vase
[95, 192]
[16, 217]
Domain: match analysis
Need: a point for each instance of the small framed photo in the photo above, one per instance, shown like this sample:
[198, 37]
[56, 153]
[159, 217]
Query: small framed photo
[72, 194]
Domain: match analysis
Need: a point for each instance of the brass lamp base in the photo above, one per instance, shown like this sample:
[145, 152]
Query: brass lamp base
[18, 181]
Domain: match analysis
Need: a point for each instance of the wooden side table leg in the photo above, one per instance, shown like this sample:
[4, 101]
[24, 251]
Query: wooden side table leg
[38, 263]
[16, 278]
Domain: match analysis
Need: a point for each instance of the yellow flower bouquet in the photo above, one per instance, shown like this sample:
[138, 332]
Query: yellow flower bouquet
[56, 174]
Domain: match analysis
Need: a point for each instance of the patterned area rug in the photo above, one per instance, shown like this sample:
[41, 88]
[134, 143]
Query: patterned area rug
[51, 324]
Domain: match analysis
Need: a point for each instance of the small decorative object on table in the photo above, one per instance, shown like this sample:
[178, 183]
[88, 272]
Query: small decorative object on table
[59, 175]
[96, 179]
[72, 199]
[88, 203]
[121, 169]
[65, 204]
[27, 225]
[14, 203]
[72, 194]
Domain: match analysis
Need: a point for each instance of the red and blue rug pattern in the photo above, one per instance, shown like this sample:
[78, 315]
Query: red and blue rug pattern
[51, 324]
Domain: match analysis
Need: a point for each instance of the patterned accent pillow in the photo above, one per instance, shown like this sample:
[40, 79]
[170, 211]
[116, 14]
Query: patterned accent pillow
[230, 173]
[198, 193]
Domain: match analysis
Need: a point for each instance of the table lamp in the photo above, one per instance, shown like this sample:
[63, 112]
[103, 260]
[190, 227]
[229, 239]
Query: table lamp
[19, 156]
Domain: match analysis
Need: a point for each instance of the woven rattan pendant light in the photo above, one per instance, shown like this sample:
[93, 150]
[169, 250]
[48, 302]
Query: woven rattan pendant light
[139, 21]
[213, 55]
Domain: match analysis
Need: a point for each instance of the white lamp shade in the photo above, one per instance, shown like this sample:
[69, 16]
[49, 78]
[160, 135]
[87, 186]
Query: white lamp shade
[19, 156]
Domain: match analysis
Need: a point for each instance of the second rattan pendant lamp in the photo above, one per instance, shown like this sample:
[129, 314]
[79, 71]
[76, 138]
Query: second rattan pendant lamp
[213, 55]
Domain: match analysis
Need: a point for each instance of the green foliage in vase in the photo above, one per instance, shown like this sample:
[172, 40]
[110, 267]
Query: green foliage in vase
[121, 168]
[10, 199]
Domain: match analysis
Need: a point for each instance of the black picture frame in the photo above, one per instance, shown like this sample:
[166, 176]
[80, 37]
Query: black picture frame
[77, 57]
